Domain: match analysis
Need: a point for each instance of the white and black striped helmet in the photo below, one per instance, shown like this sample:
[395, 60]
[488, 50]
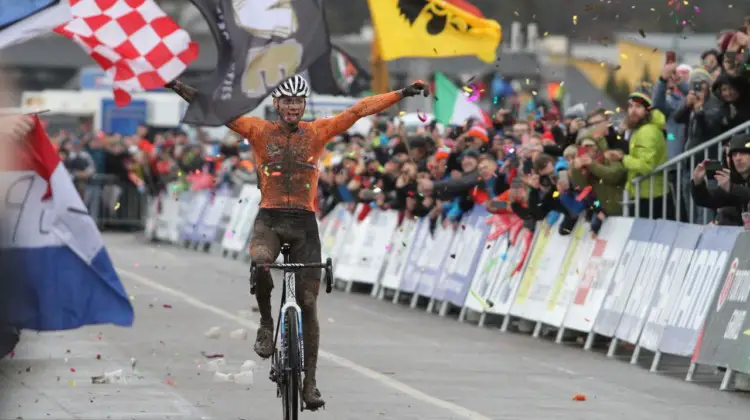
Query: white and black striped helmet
[293, 86]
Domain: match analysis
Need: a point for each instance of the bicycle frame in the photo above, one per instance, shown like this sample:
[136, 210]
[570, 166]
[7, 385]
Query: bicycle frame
[289, 300]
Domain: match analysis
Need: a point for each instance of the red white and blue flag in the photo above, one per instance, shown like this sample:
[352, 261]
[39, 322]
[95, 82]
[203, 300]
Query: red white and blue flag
[58, 274]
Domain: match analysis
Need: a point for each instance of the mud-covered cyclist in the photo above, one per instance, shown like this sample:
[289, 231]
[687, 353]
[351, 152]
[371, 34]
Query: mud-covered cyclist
[287, 152]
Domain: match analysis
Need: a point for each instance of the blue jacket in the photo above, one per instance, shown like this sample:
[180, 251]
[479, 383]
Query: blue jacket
[668, 103]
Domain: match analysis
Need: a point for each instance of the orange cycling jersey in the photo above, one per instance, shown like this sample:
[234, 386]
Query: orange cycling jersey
[287, 160]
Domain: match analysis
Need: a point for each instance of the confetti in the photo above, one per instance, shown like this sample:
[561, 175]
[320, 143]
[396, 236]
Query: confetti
[166, 306]
[575, 19]
[642, 33]
[555, 194]
[579, 397]
[307, 186]
[212, 355]
[422, 116]
[117, 205]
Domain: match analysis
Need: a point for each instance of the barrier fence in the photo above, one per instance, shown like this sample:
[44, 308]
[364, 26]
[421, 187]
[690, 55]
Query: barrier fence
[664, 287]
[112, 202]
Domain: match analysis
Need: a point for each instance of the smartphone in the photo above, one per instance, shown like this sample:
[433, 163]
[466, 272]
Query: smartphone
[527, 167]
[671, 57]
[563, 176]
[712, 166]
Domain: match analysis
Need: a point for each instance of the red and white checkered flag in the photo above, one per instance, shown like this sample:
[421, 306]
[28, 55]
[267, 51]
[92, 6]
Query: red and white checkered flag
[134, 41]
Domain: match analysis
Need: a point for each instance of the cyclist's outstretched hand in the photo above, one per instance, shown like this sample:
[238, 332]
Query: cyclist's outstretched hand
[416, 88]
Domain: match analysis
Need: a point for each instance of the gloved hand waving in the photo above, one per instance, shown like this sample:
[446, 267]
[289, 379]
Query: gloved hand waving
[416, 88]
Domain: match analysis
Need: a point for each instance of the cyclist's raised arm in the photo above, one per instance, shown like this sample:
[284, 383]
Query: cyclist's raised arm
[327, 128]
[247, 127]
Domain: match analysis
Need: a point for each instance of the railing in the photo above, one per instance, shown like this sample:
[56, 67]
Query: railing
[682, 176]
[112, 202]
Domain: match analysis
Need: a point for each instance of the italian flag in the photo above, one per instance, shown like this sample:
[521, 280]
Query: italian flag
[452, 105]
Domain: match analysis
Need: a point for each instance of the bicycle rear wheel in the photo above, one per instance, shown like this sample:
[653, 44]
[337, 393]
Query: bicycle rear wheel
[292, 366]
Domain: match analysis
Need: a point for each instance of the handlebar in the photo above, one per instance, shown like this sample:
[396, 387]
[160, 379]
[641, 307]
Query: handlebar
[327, 266]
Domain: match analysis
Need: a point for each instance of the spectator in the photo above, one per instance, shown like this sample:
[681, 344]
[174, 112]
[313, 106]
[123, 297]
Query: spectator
[668, 95]
[701, 111]
[648, 149]
[735, 98]
[731, 196]
[710, 61]
[601, 123]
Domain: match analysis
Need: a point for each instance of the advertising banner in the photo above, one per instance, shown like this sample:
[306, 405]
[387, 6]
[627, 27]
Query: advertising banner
[350, 243]
[598, 274]
[338, 228]
[456, 279]
[237, 234]
[639, 300]
[374, 247]
[671, 282]
[569, 275]
[540, 277]
[726, 315]
[208, 226]
[168, 219]
[398, 251]
[510, 271]
[412, 271]
[487, 273]
[636, 250]
[693, 299]
[543, 234]
[439, 254]
[192, 213]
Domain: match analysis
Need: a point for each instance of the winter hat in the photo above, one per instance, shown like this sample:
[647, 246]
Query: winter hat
[700, 75]
[479, 133]
[641, 98]
[442, 153]
[739, 143]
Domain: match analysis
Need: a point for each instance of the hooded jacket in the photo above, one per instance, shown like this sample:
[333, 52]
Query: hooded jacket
[702, 125]
[648, 149]
[736, 112]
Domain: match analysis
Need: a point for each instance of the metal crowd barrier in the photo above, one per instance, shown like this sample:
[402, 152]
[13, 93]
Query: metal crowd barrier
[680, 168]
[113, 202]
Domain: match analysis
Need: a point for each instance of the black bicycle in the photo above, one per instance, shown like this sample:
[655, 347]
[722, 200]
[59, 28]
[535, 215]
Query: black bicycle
[287, 362]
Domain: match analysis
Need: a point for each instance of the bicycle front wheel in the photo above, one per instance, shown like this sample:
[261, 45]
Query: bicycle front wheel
[292, 366]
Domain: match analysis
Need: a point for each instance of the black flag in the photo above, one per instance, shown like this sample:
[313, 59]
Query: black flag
[337, 73]
[260, 43]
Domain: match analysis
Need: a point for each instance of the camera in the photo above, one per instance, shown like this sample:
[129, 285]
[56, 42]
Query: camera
[546, 181]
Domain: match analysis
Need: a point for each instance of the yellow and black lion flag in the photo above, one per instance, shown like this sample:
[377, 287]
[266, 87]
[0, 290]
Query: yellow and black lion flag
[433, 28]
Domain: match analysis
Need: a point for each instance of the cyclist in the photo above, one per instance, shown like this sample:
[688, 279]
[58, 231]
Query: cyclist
[287, 153]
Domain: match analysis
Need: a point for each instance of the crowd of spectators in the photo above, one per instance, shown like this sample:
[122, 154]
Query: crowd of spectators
[571, 164]
[559, 164]
[115, 174]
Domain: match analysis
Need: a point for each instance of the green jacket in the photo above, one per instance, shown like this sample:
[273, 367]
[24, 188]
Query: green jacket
[648, 149]
[606, 179]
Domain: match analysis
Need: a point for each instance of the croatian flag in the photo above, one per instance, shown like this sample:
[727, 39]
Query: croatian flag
[58, 274]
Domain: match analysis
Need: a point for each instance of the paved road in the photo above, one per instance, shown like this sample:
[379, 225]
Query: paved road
[379, 361]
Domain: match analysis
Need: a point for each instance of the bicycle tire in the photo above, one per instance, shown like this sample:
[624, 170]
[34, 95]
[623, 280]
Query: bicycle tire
[292, 366]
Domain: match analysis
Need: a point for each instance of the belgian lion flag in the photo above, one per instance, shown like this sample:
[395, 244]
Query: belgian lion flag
[433, 28]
